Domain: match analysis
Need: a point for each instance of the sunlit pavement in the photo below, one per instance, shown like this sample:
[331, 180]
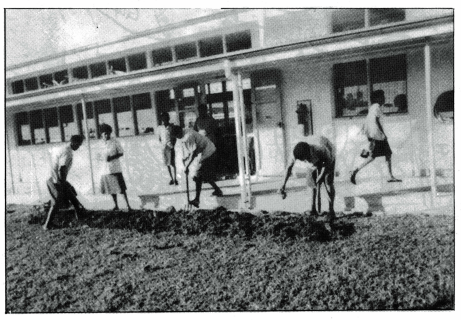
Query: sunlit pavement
[369, 195]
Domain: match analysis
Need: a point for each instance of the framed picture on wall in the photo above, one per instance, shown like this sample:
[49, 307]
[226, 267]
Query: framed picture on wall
[304, 112]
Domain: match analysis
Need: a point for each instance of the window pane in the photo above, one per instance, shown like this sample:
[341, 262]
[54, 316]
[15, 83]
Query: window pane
[186, 51]
[144, 113]
[69, 124]
[46, 81]
[90, 117]
[104, 113]
[18, 87]
[164, 101]
[23, 128]
[61, 78]
[125, 119]
[348, 19]
[238, 41]
[386, 15]
[98, 69]
[137, 62]
[162, 56]
[216, 87]
[31, 84]
[80, 74]
[52, 125]
[117, 66]
[351, 88]
[36, 123]
[211, 46]
[390, 74]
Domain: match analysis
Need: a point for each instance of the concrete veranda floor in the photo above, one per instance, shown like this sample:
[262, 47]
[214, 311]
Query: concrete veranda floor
[369, 195]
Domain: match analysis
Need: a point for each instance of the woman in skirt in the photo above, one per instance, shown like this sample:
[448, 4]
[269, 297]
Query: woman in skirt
[112, 181]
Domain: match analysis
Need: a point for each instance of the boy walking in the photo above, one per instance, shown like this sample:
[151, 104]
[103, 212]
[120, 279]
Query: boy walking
[60, 189]
[168, 142]
[379, 147]
[194, 144]
[319, 152]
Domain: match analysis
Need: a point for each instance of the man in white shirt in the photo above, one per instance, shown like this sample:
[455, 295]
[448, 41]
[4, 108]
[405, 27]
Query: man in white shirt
[195, 144]
[379, 147]
[60, 189]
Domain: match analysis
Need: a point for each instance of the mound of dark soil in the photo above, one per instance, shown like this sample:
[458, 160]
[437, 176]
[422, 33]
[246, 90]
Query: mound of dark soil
[218, 222]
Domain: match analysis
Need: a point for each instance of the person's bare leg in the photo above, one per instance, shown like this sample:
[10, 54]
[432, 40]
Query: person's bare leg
[126, 200]
[171, 175]
[217, 190]
[174, 175]
[389, 167]
[314, 202]
[331, 192]
[114, 197]
[51, 212]
[198, 190]
[363, 165]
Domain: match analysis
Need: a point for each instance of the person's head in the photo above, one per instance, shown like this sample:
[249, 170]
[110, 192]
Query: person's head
[177, 132]
[301, 151]
[76, 141]
[202, 110]
[165, 118]
[105, 131]
[377, 96]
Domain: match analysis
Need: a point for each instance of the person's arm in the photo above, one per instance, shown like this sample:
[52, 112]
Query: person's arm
[287, 176]
[191, 159]
[118, 152]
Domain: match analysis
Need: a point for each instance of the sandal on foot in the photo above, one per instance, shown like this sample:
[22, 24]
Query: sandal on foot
[394, 180]
[217, 193]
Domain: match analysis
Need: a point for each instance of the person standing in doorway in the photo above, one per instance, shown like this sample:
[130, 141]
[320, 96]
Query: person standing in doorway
[112, 181]
[193, 145]
[379, 147]
[205, 124]
[168, 143]
[60, 189]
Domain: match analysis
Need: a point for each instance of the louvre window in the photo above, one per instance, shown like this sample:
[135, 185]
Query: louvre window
[46, 81]
[18, 87]
[68, 123]
[52, 132]
[117, 66]
[387, 15]
[125, 121]
[348, 19]
[80, 73]
[61, 78]
[144, 113]
[23, 128]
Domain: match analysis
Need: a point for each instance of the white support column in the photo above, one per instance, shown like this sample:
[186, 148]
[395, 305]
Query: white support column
[238, 129]
[9, 161]
[87, 134]
[430, 128]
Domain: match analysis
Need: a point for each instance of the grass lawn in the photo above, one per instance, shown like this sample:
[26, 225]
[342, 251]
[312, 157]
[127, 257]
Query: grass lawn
[217, 260]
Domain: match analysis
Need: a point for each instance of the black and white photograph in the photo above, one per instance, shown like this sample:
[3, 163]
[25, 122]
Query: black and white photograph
[228, 158]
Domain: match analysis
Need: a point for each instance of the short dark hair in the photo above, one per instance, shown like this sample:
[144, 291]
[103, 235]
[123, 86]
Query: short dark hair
[165, 115]
[176, 131]
[301, 150]
[105, 128]
[76, 139]
[376, 96]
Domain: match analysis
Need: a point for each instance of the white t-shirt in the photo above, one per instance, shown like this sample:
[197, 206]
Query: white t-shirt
[193, 140]
[111, 147]
[371, 126]
[60, 156]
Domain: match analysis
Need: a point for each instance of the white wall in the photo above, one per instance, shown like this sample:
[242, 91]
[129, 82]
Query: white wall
[407, 133]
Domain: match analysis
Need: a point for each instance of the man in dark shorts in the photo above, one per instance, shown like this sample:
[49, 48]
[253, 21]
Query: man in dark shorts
[379, 147]
[194, 144]
[60, 189]
[320, 153]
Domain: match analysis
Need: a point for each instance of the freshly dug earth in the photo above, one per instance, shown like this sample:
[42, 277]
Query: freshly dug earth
[211, 260]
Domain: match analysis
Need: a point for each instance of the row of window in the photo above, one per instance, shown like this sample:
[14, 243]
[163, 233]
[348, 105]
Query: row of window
[351, 19]
[129, 115]
[191, 50]
[354, 82]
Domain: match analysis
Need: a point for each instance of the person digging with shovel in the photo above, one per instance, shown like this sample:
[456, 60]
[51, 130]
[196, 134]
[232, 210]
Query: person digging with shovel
[319, 152]
[193, 145]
